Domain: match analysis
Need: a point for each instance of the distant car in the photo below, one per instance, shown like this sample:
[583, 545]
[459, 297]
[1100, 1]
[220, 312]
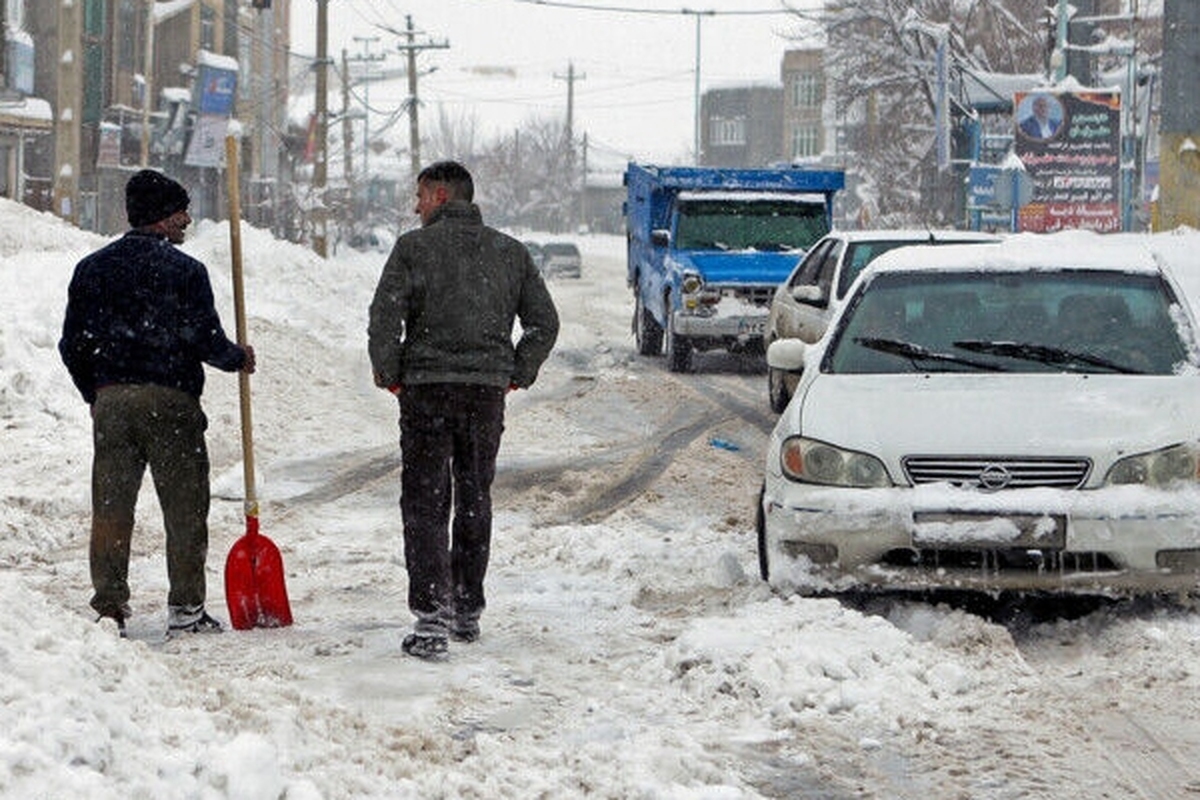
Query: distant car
[1023, 415]
[802, 305]
[535, 252]
[562, 258]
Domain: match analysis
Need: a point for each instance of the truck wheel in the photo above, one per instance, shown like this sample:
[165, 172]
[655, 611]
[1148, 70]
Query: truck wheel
[679, 348]
[646, 330]
[760, 525]
[777, 390]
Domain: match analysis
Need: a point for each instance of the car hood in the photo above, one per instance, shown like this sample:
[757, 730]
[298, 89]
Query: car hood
[740, 266]
[973, 414]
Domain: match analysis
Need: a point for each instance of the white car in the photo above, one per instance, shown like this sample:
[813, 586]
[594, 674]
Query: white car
[1022, 415]
[804, 303]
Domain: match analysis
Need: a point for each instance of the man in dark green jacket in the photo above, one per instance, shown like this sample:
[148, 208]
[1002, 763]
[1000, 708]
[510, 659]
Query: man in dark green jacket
[441, 339]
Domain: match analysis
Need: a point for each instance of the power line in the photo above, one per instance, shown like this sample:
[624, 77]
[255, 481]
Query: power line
[697, 14]
[658, 11]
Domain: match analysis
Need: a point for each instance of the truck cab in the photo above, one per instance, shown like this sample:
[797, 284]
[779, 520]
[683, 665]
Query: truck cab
[707, 248]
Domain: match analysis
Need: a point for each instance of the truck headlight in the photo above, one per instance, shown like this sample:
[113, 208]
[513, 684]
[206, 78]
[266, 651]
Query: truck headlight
[1180, 462]
[692, 283]
[813, 461]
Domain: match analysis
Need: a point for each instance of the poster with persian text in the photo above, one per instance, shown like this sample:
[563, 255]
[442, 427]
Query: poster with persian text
[1070, 144]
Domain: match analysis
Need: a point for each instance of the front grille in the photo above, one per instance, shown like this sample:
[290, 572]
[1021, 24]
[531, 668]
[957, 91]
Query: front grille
[1003, 472]
[760, 296]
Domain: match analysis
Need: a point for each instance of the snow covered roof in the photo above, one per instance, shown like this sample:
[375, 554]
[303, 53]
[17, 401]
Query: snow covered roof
[787, 197]
[1074, 249]
[28, 114]
[210, 59]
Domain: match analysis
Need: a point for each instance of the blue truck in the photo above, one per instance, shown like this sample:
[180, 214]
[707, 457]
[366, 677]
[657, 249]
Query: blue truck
[709, 245]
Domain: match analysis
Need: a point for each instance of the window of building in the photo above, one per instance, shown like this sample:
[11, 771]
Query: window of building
[806, 90]
[806, 142]
[208, 29]
[129, 25]
[727, 131]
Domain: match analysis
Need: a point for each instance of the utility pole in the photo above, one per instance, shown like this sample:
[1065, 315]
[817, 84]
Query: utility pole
[365, 213]
[320, 212]
[569, 132]
[570, 78]
[69, 98]
[583, 204]
[148, 76]
[411, 48]
[1179, 143]
[367, 59]
[347, 144]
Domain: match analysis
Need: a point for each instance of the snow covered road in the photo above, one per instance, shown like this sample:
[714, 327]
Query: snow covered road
[628, 650]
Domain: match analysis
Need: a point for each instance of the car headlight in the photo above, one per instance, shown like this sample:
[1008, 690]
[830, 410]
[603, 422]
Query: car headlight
[692, 283]
[812, 461]
[1180, 462]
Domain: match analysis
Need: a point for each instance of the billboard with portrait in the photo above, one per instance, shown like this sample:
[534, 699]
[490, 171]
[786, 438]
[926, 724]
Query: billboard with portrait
[1070, 144]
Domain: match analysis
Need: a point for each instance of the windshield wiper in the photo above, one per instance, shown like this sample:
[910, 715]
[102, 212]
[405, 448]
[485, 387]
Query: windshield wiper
[916, 352]
[1043, 354]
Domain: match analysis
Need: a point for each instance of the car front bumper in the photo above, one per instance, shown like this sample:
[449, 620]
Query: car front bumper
[729, 320]
[1113, 539]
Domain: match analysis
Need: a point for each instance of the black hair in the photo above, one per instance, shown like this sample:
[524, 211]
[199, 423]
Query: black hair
[453, 175]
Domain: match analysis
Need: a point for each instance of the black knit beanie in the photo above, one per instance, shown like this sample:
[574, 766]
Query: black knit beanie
[151, 196]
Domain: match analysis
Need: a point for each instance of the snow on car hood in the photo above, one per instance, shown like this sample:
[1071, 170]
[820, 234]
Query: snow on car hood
[741, 266]
[976, 414]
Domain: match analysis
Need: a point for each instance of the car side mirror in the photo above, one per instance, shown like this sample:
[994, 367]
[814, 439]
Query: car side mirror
[808, 293]
[660, 237]
[786, 355]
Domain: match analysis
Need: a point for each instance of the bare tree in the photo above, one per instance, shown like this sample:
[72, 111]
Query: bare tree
[880, 64]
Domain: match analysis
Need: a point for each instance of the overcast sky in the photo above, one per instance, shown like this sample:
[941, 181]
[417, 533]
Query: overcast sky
[508, 61]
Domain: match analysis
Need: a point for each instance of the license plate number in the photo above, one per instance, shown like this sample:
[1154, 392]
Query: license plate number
[951, 530]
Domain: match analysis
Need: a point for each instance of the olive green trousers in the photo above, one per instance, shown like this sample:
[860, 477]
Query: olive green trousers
[135, 426]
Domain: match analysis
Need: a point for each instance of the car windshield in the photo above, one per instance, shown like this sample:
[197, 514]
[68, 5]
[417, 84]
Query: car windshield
[1035, 321]
[560, 249]
[773, 225]
[859, 254]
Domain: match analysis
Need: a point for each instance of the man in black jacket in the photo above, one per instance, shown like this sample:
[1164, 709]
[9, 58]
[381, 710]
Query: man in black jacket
[441, 338]
[140, 324]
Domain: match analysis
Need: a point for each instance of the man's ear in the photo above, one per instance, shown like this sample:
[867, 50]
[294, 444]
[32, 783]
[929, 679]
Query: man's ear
[441, 194]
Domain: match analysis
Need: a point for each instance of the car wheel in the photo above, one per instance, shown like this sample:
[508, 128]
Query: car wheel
[679, 348]
[777, 390]
[645, 329]
[760, 524]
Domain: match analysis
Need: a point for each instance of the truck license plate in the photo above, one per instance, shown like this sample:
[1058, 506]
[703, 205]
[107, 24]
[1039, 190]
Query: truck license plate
[752, 327]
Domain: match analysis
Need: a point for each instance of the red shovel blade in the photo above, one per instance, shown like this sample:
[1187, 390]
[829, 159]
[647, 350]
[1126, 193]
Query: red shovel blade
[254, 586]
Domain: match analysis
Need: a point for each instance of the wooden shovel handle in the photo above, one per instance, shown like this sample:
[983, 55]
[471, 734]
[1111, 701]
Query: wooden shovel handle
[239, 312]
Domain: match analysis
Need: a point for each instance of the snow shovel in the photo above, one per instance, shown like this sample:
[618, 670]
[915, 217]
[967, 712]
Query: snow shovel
[254, 579]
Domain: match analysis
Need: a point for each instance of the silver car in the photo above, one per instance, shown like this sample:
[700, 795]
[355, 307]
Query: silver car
[803, 304]
[1022, 415]
[561, 259]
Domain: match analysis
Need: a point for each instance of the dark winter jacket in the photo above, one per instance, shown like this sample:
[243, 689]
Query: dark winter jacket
[445, 304]
[141, 311]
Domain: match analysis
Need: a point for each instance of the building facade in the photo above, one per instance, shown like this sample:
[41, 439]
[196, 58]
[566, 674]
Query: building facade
[806, 135]
[24, 117]
[741, 126]
[147, 83]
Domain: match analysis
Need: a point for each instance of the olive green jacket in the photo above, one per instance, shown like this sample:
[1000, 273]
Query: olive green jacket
[446, 303]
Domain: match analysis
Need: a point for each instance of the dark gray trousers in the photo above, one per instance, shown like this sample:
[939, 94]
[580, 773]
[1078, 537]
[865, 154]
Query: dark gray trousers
[449, 438]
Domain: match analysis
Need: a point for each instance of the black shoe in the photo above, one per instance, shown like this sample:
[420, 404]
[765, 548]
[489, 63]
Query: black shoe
[197, 622]
[430, 648]
[117, 614]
